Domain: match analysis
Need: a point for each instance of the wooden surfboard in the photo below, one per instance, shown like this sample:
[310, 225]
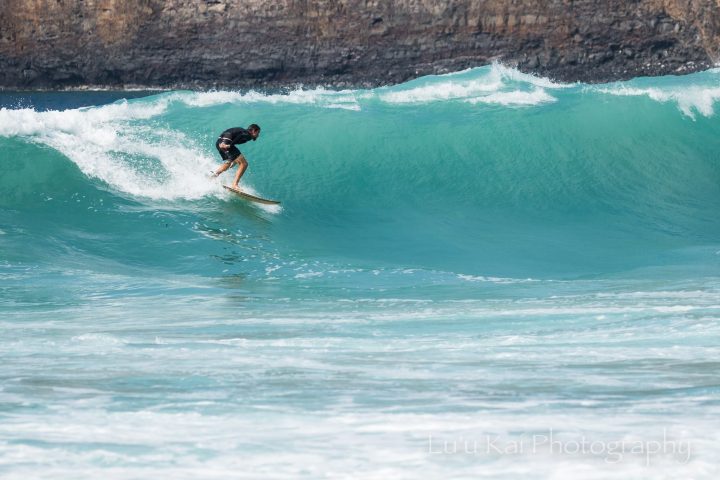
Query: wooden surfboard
[252, 198]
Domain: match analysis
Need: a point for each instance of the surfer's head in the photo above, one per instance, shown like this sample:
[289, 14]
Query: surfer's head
[254, 130]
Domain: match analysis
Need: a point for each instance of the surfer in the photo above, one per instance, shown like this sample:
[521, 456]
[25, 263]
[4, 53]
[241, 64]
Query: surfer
[230, 154]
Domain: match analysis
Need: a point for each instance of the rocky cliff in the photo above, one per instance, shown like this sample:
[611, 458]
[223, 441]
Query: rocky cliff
[270, 43]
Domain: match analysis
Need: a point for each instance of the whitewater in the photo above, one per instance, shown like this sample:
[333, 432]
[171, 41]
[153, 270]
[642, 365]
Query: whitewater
[480, 274]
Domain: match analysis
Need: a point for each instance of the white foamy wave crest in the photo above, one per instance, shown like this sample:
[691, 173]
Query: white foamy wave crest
[109, 144]
[516, 75]
[536, 97]
[448, 90]
[690, 100]
[497, 85]
[345, 99]
[483, 278]
[28, 122]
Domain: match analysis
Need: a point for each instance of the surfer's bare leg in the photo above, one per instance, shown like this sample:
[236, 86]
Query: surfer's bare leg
[242, 166]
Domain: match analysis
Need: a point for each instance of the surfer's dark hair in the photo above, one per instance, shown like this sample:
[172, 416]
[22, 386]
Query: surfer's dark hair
[254, 126]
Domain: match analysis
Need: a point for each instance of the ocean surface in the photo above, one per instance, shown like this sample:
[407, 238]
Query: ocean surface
[478, 275]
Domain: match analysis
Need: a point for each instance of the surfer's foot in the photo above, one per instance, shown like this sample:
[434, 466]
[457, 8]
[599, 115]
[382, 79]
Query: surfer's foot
[235, 186]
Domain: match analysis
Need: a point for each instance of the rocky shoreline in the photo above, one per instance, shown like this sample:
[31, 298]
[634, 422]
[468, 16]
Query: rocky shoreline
[203, 44]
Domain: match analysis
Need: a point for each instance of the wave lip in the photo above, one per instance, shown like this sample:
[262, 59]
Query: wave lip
[29, 122]
[518, 98]
[121, 145]
[496, 84]
[689, 100]
[697, 98]
[322, 97]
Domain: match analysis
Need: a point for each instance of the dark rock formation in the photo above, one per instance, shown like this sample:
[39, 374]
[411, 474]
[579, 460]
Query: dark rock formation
[271, 43]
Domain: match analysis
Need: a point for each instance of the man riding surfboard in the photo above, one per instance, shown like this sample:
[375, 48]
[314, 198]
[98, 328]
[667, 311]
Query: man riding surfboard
[225, 145]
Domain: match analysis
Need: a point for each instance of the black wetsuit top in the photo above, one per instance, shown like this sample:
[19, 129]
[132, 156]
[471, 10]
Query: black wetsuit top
[233, 136]
[236, 136]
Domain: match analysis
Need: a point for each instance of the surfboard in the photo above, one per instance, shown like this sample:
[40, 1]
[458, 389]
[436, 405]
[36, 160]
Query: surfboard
[252, 198]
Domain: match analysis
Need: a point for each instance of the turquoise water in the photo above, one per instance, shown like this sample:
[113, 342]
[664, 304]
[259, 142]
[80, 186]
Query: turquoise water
[464, 269]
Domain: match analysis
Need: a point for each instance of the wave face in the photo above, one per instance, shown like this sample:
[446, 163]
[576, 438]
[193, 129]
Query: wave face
[484, 172]
[486, 218]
